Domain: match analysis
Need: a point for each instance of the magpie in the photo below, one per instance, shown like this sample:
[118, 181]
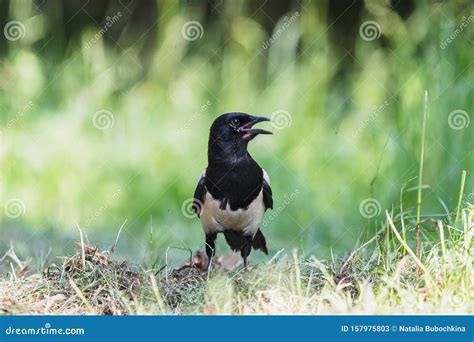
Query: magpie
[233, 192]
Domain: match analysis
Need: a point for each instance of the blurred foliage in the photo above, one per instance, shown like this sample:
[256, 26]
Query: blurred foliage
[355, 111]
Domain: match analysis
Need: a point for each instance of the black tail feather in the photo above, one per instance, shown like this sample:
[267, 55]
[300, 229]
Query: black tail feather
[237, 240]
[234, 239]
[259, 242]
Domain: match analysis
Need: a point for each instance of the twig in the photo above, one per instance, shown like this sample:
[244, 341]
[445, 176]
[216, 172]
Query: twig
[161, 269]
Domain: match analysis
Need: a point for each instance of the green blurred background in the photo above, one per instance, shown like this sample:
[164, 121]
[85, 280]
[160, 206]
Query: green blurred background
[105, 108]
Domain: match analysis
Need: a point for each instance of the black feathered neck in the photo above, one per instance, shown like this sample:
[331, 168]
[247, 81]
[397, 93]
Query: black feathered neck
[232, 176]
[232, 152]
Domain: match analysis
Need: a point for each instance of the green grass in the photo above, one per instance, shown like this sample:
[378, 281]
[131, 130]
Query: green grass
[378, 277]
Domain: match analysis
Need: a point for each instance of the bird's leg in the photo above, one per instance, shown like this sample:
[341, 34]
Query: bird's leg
[210, 247]
[245, 251]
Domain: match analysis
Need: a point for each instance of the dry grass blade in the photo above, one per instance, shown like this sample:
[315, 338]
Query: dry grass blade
[81, 296]
[82, 245]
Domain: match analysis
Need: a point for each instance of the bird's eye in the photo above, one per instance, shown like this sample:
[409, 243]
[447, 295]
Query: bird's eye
[234, 122]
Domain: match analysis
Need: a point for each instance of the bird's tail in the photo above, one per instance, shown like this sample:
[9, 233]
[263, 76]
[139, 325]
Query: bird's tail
[259, 242]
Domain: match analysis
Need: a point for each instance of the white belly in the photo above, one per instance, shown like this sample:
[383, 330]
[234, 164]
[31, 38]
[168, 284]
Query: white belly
[248, 221]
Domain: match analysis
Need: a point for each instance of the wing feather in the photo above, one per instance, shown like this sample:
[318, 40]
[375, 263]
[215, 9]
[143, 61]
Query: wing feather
[200, 194]
[267, 192]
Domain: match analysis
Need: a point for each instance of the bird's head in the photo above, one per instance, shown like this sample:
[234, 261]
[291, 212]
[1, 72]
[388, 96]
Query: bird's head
[231, 132]
[237, 127]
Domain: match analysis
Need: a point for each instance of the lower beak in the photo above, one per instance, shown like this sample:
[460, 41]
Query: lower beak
[247, 128]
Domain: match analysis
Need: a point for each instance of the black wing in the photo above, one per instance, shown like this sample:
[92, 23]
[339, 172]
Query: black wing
[267, 195]
[199, 195]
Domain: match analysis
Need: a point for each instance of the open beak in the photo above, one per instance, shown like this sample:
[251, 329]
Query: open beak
[247, 128]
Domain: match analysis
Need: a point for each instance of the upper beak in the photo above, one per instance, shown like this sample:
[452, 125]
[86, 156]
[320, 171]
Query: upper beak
[247, 128]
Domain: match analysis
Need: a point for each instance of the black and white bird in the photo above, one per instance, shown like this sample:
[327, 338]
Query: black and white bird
[233, 192]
